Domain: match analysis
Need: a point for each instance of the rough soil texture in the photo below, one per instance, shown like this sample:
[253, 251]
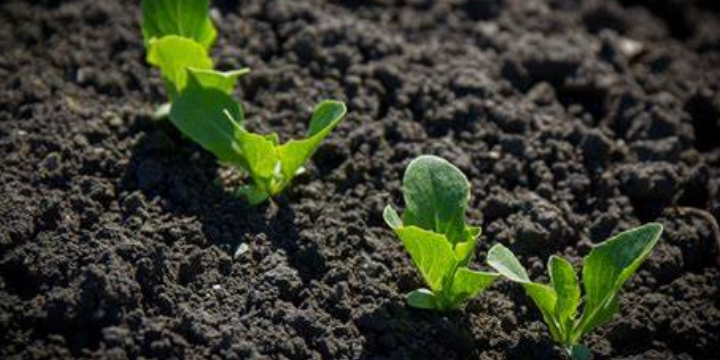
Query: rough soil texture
[573, 119]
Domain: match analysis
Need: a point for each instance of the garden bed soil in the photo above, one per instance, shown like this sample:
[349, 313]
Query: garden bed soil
[573, 120]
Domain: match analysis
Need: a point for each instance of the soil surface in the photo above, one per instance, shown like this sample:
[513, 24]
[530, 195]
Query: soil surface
[574, 120]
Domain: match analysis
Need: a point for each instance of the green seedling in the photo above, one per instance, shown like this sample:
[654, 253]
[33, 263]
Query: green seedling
[178, 35]
[211, 118]
[434, 232]
[605, 270]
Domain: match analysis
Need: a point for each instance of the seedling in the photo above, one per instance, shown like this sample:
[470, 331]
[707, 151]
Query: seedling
[434, 232]
[605, 270]
[178, 35]
[211, 118]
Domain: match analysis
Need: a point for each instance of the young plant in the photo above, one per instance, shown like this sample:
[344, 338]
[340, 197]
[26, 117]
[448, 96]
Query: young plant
[178, 35]
[211, 118]
[434, 232]
[605, 270]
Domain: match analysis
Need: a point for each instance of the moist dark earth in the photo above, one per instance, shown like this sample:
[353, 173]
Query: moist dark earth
[574, 120]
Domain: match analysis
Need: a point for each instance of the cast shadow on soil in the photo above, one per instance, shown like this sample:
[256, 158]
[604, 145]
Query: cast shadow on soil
[396, 331]
[182, 179]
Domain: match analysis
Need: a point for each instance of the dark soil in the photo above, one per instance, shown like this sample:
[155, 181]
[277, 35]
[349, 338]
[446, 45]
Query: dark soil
[573, 119]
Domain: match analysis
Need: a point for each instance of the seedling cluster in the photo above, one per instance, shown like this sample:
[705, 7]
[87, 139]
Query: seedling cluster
[441, 244]
[178, 35]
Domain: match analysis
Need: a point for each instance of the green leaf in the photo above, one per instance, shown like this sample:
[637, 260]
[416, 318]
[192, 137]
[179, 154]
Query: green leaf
[274, 138]
[174, 55]
[602, 316]
[222, 80]
[608, 266]
[565, 283]
[295, 153]
[431, 253]
[466, 249]
[580, 352]
[212, 119]
[422, 299]
[392, 218]
[504, 262]
[436, 195]
[468, 283]
[261, 159]
[545, 299]
[252, 194]
[187, 18]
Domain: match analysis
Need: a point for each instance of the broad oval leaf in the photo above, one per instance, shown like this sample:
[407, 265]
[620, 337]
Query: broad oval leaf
[210, 118]
[174, 55]
[187, 18]
[436, 195]
[609, 265]
[295, 153]
[431, 253]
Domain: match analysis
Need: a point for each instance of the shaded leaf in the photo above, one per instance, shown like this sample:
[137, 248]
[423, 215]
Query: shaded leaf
[252, 194]
[580, 352]
[422, 299]
[212, 119]
[436, 195]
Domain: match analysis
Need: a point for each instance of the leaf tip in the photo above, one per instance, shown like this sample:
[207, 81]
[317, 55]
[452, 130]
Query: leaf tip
[391, 217]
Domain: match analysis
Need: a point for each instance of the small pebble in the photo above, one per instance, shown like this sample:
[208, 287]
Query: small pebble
[241, 249]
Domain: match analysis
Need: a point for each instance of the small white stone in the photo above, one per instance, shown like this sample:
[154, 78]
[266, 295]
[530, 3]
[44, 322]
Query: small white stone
[630, 47]
[241, 249]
